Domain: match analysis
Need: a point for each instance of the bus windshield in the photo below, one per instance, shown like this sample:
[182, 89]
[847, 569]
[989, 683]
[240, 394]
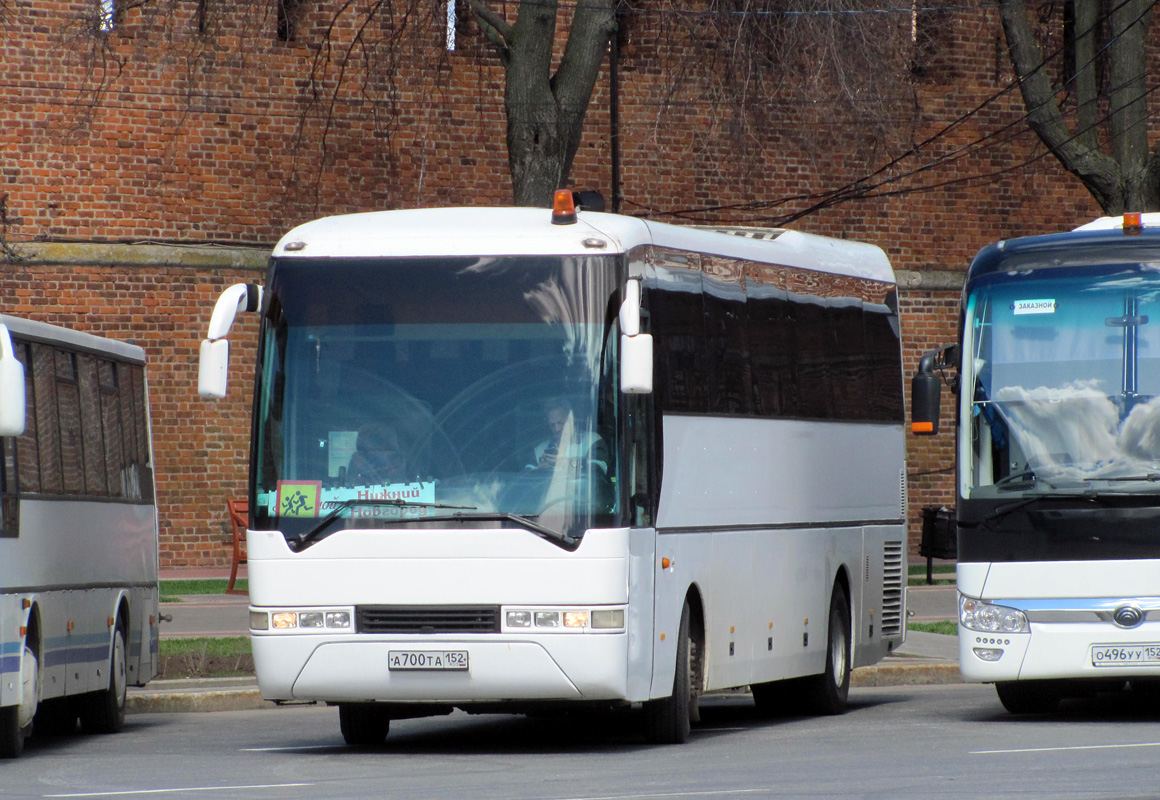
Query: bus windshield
[1061, 381]
[478, 389]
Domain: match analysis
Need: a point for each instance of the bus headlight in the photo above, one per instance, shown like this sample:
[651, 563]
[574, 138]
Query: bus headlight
[564, 620]
[979, 615]
[307, 620]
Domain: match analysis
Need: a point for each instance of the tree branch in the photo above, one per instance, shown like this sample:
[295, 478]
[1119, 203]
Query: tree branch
[494, 27]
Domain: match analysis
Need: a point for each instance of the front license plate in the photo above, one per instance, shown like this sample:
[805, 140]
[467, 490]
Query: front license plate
[427, 659]
[1116, 655]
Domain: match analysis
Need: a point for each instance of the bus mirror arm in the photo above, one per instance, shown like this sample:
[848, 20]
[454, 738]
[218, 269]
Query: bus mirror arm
[214, 357]
[636, 348]
[239, 297]
[926, 389]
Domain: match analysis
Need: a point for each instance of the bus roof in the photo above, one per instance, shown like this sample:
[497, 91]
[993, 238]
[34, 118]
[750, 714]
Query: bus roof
[32, 330]
[1085, 246]
[529, 231]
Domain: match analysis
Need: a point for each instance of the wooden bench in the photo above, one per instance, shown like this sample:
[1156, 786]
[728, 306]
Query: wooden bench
[240, 520]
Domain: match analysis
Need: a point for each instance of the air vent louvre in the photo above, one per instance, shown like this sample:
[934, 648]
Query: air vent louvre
[892, 587]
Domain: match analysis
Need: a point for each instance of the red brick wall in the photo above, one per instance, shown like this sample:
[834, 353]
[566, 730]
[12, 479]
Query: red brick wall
[159, 132]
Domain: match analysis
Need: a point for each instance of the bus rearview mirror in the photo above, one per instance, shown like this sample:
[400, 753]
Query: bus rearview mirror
[213, 369]
[636, 364]
[925, 391]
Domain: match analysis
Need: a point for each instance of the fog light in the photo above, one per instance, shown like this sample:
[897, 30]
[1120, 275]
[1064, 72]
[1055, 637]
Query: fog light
[338, 619]
[310, 619]
[547, 619]
[988, 653]
[519, 619]
[608, 618]
[285, 619]
[259, 621]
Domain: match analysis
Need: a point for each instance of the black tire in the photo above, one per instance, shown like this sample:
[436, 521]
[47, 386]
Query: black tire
[363, 724]
[16, 721]
[778, 698]
[827, 693]
[1028, 697]
[56, 717]
[668, 720]
[104, 711]
[11, 735]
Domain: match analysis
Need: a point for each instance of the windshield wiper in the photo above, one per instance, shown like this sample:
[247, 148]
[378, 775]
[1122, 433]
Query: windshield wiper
[564, 540]
[343, 505]
[1009, 508]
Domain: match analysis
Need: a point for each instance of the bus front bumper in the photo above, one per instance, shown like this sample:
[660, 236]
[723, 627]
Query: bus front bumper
[362, 668]
[1060, 650]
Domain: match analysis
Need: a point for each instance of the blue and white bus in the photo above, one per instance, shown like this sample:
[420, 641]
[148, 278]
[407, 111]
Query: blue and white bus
[1057, 371]
[78, 531]
[619, 463]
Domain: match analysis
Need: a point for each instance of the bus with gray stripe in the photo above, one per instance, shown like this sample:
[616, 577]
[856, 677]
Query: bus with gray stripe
[725, 506]
[78, 531]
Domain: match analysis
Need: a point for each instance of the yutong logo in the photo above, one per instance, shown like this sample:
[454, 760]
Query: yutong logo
[1127, 616]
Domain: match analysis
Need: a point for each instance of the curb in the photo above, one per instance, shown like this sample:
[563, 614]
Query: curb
[241, 694]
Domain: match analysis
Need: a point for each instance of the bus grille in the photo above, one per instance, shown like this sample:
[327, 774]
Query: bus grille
[427, 619]
[892, 577]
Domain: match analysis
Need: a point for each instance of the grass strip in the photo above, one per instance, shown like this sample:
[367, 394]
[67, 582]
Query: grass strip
[945, 626]
[206, 646]
[173, 588]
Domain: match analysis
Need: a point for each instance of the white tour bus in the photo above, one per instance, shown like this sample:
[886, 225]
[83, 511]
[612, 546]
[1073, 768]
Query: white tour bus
[78, 539]
[465, 492]
[1058, 462]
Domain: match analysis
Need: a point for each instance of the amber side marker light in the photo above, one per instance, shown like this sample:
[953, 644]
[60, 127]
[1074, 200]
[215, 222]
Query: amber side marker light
[563, 208]
[922, 427]
[1133, 223]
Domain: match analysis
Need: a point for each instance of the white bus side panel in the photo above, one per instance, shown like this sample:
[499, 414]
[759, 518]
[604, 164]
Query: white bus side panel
[74, 561]
[803, 480]
[719, 472]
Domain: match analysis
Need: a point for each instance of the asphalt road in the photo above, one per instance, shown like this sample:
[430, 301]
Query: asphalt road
[899, 742]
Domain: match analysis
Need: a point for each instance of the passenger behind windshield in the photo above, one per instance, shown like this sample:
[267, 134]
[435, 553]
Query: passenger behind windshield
[378, 459]
[567, 437]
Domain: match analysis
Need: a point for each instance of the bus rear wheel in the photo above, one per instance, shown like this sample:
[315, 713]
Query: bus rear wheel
[363, 724]
[104, 711]
[827, 693]
[668, 720]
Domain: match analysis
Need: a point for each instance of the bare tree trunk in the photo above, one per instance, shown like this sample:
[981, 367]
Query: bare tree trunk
[1127, 178]
[545, 112]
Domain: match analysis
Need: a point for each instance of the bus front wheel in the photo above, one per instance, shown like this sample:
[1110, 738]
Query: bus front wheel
[16, 721]
[668, 719]
[1028, 697]
[363, 724]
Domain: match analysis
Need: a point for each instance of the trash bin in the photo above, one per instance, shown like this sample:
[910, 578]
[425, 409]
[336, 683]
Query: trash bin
[940, 537]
